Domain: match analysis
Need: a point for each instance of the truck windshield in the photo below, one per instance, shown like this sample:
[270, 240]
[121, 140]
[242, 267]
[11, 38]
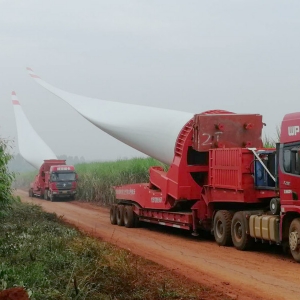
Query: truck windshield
[62, 176]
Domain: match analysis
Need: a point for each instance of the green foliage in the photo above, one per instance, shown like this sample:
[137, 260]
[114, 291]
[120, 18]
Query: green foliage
[6, 177]
[271, 142]
[23, 180]
[97, 179]
[53, 261]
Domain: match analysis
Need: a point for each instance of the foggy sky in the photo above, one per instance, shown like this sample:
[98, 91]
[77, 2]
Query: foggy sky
[242, 56]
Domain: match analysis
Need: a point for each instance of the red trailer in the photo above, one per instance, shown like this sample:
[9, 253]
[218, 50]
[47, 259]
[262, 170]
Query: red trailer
[222, 180]
[55, 179]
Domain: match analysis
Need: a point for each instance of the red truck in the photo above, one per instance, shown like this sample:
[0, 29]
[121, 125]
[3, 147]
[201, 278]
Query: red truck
[222, 180]
[55, 179]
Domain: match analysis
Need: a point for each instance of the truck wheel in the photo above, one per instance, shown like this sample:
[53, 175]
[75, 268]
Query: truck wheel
[46, 195]
[222, 227]
[30, 193]
[275, 206]
[294, 239]
[241, 240]
[113, 214]
[129, 218]
[137, 222]
[120, 215]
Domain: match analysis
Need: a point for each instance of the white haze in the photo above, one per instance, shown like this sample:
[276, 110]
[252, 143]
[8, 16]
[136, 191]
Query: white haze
[192, 56]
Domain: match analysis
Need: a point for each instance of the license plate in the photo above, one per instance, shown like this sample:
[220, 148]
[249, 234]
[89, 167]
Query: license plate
[65, 192]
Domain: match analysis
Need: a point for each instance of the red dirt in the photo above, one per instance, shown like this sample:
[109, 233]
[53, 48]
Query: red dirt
[16, 293]
[264, 273]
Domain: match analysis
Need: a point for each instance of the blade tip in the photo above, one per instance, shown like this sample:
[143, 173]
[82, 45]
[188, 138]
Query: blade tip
[32, 74]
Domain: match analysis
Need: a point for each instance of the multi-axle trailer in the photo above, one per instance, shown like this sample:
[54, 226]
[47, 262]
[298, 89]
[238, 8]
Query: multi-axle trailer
[222, 180]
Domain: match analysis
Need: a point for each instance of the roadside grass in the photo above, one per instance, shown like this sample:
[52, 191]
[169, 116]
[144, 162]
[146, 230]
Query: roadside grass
[54, 261]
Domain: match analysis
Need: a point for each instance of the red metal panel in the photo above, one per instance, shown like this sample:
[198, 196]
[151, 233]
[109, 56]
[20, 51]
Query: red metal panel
[51, 162]
[173, 219]
[143, 195]
[227, 130]
[225, 168]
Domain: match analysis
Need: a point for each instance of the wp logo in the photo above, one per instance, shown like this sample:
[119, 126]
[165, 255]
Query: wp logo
[293, 130]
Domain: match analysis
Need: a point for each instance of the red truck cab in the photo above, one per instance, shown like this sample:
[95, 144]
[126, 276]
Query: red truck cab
[55, 179]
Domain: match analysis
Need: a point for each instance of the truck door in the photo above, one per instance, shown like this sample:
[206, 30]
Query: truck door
[289, 176]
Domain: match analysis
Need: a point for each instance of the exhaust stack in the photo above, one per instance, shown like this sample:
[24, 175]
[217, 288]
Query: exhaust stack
[31, 146]
[150, 130]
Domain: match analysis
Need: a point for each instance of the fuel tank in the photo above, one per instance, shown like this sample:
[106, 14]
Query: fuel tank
[265, 227]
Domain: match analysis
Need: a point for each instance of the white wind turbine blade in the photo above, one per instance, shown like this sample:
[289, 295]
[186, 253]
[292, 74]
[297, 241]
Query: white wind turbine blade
[150, 130]
[31, 146]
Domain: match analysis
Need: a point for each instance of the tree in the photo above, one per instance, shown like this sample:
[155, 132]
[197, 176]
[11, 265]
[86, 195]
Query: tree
[6, 177]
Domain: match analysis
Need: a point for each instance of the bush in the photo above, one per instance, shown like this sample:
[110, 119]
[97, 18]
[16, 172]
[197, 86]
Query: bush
[97, 179]
[6, 178]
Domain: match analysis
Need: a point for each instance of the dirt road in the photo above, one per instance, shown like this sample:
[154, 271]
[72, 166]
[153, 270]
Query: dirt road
[262, 274]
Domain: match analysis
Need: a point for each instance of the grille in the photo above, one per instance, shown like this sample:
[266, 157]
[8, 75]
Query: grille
[64, 185]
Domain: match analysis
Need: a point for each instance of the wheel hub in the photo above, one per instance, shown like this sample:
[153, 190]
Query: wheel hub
[293, 240]
[238, 231]
[219, 229]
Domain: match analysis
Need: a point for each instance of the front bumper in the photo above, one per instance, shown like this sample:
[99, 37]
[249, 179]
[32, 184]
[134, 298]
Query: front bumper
[64, 193]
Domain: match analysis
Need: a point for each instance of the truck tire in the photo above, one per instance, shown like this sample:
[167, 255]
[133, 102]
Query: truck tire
[46, 194]
[137, 222]
[129, 217]
[241, 240]
[294, 239]
[275, 206]
[113, 214]
[30, 193]
[222, 227]
[120, 215]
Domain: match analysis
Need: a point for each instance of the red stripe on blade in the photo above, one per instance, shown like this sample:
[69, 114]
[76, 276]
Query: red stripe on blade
[15, 102]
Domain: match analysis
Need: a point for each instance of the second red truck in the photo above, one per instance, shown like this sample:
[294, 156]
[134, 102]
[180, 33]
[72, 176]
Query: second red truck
[54, 180]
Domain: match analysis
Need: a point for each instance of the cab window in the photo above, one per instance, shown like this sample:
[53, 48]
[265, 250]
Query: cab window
[291, 160]
[287, 160]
